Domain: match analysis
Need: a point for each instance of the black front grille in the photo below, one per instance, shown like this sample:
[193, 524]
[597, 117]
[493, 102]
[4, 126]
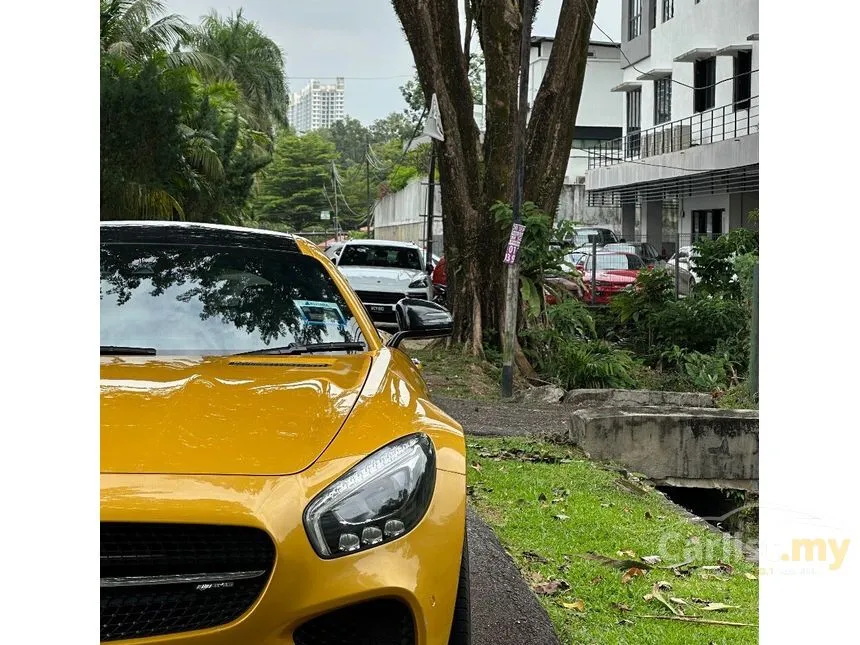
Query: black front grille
[379, 297]
[378, 622]
[166, 578]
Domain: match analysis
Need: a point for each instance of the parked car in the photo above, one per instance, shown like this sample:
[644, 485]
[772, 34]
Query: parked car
[440, 282]
[649, 254]
[614, 272]
[584, 235]
[270, 471]
[684, 262]
[383, 272]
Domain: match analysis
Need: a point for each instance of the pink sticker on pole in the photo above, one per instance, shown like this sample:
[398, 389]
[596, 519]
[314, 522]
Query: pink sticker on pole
[514, 242]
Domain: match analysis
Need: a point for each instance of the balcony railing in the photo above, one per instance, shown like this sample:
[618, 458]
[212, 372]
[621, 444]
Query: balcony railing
[702, 128]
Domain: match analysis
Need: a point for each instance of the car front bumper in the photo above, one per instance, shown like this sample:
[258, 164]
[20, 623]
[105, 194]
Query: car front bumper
[420, 569]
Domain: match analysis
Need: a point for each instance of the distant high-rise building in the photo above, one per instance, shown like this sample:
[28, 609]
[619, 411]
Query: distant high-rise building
[316, 106]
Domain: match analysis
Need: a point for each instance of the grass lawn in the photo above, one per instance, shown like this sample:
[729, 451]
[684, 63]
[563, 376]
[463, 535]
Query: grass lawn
[550, 507]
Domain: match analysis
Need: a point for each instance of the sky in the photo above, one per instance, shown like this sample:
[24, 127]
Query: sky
[360, 40]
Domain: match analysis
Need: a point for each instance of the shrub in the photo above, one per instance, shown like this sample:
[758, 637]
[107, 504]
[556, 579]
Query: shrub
[715, 261]
[637, 309]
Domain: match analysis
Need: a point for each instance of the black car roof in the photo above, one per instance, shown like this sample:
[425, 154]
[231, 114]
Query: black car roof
[195, 234]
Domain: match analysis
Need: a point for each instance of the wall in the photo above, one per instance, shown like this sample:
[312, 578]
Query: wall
[598, 106]
[572, 206]
[401, 215]
[708, 24]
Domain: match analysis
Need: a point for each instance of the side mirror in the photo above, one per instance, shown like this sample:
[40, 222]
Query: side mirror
[420, 319]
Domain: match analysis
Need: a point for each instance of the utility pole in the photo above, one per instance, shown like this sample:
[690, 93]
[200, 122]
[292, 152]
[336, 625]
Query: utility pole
[754, 336]
[433, 129]
[367, 179]
[334, 185]
[431, 195]
[511, 254]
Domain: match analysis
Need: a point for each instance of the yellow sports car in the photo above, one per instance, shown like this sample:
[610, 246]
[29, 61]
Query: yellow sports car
[272, 472]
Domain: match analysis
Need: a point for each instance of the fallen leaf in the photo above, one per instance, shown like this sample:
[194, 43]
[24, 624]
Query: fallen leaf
[551, 587]
[618, 564]
[631, 573]
[536, 577]
[678, 601]
[662, 585]
[542, 497]
[596, 580]
[726, 567]
[656, 595]
[605, 505]
[476, 466]
[556, 500]
[717, 606]
[701, 621]
[647, 515]
[647, 597]
[652, 559]
[561, 516]
[579, 605]
[627, 554]
[700, 601]
[750, 576]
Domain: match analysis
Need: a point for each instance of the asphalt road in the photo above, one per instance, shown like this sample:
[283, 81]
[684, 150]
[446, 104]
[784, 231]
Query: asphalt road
[504, 609]
[506, 419]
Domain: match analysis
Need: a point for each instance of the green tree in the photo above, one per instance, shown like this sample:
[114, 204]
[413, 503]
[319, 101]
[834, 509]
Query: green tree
[394, 127]
[291, 188]
[251, 59]
[350, 139]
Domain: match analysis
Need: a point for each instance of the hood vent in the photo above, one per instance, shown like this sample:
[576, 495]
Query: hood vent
[266, 364]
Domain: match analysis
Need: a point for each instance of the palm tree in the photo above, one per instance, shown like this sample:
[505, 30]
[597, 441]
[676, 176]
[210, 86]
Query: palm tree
[132, 33]
[252, 60]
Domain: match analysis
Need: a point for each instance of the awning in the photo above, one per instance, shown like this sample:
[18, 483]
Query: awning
[626, 86]
[696, 54]
[733, 50]
[654, 74]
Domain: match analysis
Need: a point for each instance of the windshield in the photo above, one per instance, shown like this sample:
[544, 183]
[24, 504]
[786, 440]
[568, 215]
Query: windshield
[583, 236]
[388, 257]
[616, 261]
[200, 300]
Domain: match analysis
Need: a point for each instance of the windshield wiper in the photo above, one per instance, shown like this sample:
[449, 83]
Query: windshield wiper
[293, 349]
[119, 350]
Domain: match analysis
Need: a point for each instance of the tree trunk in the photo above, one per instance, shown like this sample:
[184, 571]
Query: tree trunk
[551, 124]
[474, 176]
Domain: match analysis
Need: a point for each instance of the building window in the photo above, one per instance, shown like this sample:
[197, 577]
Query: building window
[704, 80]
[634, 20]
[707, 223]
[634, 122]
[743, 80]
[663, 100]
[668, 10]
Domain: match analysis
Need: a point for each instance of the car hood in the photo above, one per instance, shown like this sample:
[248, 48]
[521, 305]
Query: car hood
[379, 279]
[621, 276]
[250, 415]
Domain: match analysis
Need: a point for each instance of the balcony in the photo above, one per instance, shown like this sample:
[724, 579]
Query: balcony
[703, 128]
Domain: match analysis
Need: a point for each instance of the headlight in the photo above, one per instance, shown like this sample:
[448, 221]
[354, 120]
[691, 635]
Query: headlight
[419, 283]
[381, 498]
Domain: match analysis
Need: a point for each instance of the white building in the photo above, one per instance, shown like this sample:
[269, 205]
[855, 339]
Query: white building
[316, 106]
[598, 118]
[691, 121]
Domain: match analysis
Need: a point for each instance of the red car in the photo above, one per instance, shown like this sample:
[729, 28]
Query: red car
[615, 272]
[439, 276]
